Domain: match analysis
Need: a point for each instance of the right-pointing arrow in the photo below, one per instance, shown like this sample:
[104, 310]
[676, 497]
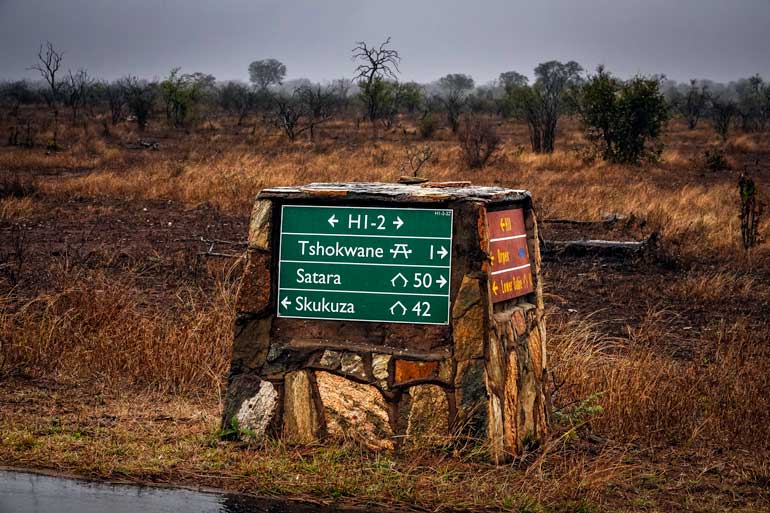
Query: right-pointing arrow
[441, 281]
[286, 303]
[443, 252]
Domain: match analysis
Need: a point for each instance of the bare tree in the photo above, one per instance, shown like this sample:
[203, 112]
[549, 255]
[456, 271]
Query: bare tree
[318, 103]
[288, 112]
[692, 104]
[140, 98]
[116, 98]
[237, 99]
[722, 110]
[76, 90]
[48, 67]
[377, 64]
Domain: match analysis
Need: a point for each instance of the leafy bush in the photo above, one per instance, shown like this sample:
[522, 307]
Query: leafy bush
[478, 141]
[623, 117]
[427, 126]
[714, 159]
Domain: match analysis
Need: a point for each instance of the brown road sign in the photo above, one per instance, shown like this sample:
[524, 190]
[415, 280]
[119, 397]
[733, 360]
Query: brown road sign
[510, 272]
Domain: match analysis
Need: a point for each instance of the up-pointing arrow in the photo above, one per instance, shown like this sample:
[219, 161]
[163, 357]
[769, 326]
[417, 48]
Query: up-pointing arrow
[403, 278]
[398, 222]
[286, 303]
[441, 281]
[333, 220]
[443, 252]
[398, 303]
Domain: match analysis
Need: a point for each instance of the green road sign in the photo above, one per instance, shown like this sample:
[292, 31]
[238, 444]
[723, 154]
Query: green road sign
[365, 264]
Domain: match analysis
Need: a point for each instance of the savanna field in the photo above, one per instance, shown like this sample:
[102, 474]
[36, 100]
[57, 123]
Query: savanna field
[120, 263]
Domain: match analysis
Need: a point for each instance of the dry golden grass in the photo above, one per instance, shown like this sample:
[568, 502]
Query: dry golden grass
[16, 209]
[644, 413]
[101, 331]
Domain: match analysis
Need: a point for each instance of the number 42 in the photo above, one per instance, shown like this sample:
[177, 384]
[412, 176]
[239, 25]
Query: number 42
[422, 309]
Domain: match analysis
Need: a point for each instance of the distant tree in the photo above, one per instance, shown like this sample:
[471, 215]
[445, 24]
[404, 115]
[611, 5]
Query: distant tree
[318, 104]
[623, 117]
[76, 91]
[722, 110]
[409, 97]
[48, 67]
[478, 141]
[237, 99]
[183, 93]
[288, 112]
[15, 94]
[340, 89]
[377, 64]
[116, 99]
[266, 73]
[483, 100]
[753, 103]
[140, 98]
[691, 103]
[541, 104]
[553, 79]
[512, 79]
[453, 95]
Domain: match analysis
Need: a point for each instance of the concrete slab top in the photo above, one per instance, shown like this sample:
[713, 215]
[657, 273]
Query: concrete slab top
[396, 192]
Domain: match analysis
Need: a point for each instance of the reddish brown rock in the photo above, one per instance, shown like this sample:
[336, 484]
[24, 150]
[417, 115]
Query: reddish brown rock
[254, 294]
[408, 371]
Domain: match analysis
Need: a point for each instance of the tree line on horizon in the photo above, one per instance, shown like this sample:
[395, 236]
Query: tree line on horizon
[622, 117]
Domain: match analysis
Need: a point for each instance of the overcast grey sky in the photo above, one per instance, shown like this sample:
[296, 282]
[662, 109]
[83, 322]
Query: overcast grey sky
[720, 40]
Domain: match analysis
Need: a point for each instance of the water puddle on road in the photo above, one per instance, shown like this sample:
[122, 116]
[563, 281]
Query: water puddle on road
[22, 492]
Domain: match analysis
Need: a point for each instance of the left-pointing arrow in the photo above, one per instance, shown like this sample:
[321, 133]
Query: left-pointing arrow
[286, 303]
[333, 220]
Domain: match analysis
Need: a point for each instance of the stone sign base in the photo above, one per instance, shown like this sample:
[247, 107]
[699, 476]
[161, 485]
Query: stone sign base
[481, 377]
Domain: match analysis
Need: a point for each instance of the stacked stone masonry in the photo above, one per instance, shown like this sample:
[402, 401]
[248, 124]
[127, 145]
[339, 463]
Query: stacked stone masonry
[482, 377]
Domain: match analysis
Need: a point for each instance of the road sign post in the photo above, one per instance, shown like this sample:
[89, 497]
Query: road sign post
[427, 296]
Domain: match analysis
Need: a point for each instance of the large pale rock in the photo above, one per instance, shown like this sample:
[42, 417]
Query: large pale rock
[428, 415]
[261, 225]
[355, 412]
[303, 420]
[257, 412]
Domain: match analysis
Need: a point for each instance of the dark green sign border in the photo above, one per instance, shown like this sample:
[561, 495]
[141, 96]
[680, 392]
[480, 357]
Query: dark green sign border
[411, 215]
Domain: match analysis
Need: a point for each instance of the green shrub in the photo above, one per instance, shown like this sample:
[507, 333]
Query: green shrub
[427, 126]
[714, 159]
[623, 118]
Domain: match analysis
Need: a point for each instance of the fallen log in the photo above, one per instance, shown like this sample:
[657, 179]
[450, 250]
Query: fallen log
[607, 219]
[598, 247]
